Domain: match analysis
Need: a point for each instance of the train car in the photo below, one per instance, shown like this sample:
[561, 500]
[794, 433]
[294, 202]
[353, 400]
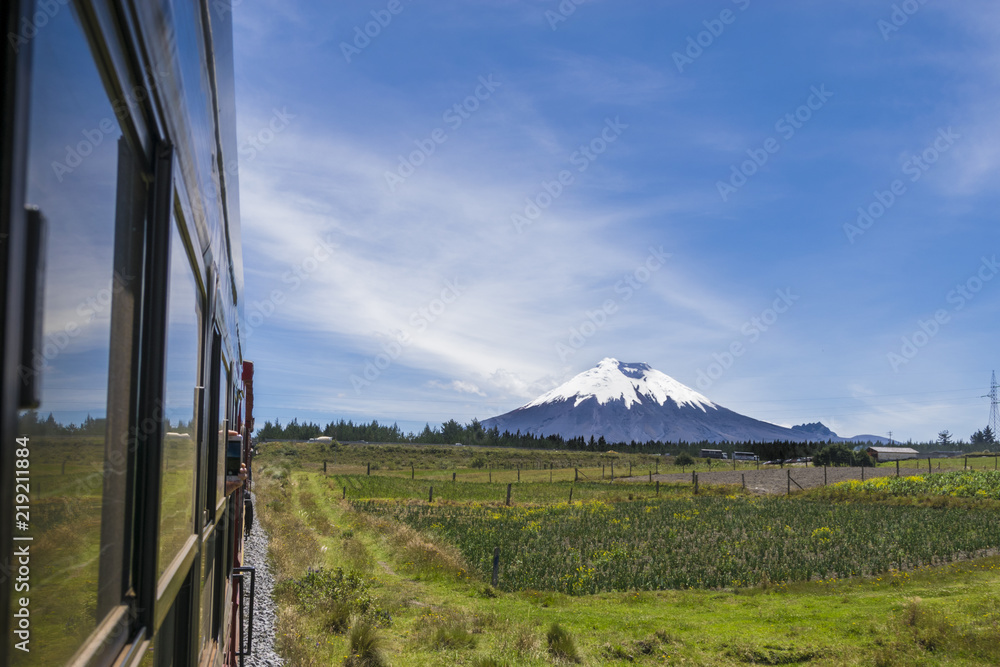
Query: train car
[126, 401]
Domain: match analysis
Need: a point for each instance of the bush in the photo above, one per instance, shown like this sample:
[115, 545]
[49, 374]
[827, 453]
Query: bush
[561, 644]
[684, 459]
[834, 455]
[366, 647]
[335, 594]
[453, 637]
[862, 458]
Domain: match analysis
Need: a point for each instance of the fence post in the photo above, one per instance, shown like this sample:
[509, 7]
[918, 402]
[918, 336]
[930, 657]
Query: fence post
[413, 472]
[602, 471]
[928, 465]
[576, 474]
[508, 494]
[324, 467]
[571, 495]
[369, 472]
[519, 472]
[550, 475]
[650, 476]
[862, 473]
[430, 495]
[897, 467]
[453, 475]
[496, 567]
[657, 466]
[629, 468]
[824, 475]
[657, 487]
[612, 471]
[789, 471]
[743, 476]
[491, 476]
[345, 492]
[694, 476]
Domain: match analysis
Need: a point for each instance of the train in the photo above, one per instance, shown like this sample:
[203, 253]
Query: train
[126, 400]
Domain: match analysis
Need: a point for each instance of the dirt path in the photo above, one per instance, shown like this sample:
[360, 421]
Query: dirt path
[775, 480]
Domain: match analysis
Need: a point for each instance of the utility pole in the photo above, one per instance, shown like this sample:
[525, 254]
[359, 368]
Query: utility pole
[993, 403]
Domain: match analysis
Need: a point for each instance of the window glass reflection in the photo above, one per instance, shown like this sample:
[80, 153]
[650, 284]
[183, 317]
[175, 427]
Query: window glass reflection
[73, 164]
[180, 437]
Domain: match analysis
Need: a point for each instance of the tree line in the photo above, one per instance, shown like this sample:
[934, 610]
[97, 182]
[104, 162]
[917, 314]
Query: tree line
[475, 434]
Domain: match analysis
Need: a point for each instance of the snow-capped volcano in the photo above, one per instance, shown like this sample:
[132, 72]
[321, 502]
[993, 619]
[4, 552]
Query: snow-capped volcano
[613, 380]
[632, 401]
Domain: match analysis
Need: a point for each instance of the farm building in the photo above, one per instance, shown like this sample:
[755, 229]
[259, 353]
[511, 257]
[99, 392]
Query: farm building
[882, 454]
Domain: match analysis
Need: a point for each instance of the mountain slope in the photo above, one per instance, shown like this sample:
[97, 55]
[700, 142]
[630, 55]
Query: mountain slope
[632, 401]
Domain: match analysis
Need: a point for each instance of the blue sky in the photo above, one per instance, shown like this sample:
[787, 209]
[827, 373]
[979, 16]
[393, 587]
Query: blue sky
[475, 201]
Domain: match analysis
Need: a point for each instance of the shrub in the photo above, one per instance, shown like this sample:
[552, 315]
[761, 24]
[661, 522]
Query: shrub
[366, 647]
[684, 459]
[453, 637]
[561, 644]
[834, 455]
[335, 594]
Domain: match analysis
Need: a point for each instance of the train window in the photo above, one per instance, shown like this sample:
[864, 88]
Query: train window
[81, 176]
[177, 491]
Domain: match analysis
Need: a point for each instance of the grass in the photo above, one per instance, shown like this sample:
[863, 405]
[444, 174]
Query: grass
[434, 599]
[65, 519]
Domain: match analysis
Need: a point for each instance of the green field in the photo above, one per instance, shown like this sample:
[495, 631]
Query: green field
[853, 577]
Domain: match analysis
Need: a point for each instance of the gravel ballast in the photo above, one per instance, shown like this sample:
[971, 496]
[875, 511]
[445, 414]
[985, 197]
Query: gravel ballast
[265, 610]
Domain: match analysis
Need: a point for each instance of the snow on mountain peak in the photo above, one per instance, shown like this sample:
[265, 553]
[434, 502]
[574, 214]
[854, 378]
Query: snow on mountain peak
[613, 380]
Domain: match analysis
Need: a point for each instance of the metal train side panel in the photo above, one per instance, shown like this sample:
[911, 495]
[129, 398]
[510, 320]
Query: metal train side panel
[123, 382]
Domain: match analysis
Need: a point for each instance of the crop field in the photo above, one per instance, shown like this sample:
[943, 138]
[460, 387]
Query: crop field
[712, 542]
[890, 571]
[979, 485]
